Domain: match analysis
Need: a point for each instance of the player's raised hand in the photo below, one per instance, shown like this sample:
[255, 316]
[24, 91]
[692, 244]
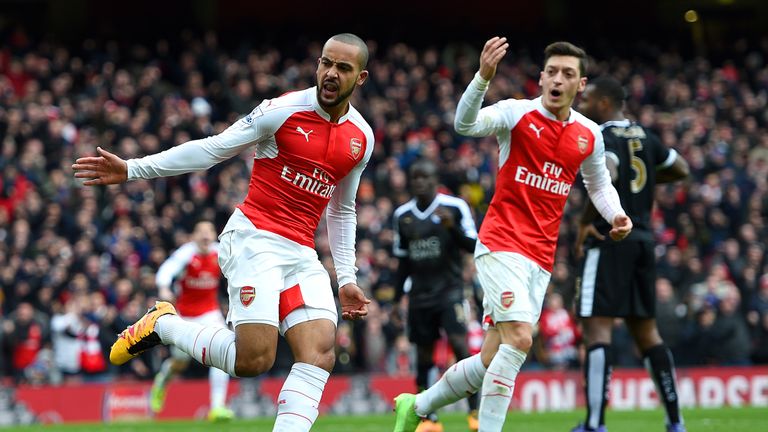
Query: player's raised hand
[354, 304]
[493, 51]
[105, 169]
[622, 226]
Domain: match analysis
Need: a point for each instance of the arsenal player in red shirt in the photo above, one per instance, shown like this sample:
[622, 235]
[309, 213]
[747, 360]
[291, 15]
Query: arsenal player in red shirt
[543, 143]
[310, 148]
[195, 269]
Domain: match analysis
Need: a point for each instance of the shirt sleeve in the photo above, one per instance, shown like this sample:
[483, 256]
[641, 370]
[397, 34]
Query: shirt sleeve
[397, 240]
[199, 155]
[672, 156]
[597, 181]
[473, 121]
[341, 218]
[467, 221]
[663, 157]
[174, 265]
[611, 152]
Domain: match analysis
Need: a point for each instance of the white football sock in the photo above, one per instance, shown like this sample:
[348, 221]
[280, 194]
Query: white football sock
[299, 399]
[498, 385]
[210, 345]
[461, 380]
[218, 380]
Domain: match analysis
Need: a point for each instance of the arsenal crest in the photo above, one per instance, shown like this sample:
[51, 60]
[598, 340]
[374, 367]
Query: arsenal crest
[355, 145]
[247, 294]
[583, 142]
[507, 298]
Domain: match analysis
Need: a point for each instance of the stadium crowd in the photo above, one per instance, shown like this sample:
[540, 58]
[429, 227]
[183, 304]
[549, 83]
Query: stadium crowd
[77, 264]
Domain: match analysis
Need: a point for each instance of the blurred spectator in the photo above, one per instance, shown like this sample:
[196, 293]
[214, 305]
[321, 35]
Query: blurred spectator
[758, 322]
[27, 335]
[731, 333]
[558, 335]
[66, 326]
[670, 314]
[720, 334]
[698, 338]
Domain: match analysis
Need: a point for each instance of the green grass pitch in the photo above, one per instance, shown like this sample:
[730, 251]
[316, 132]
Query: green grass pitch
[697, 420]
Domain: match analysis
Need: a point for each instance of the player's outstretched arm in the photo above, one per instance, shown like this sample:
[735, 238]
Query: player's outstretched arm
[104, 169]
[195, 155]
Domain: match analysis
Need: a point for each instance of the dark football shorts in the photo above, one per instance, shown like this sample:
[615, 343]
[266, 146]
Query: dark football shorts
[424, 324]
[618, 280]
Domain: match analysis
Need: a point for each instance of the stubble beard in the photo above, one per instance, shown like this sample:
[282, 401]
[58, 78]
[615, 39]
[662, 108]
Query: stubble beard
[336, 102]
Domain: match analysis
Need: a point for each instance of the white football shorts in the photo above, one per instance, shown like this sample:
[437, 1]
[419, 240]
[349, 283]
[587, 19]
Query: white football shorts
[513, 287]
[272, 280]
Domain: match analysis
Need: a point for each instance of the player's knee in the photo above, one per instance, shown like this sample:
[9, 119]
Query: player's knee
[523, 342]
[327, 360]
[322, 357]
[645, 333]
[519, 336]
[597, 330]
[250, 366]
[648, 341]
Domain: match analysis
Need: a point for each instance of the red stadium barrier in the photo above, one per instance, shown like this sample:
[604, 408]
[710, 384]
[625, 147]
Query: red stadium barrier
[633, 389]
[534, 391]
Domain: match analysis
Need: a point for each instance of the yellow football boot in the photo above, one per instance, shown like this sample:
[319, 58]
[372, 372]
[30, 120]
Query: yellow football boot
[140, 336]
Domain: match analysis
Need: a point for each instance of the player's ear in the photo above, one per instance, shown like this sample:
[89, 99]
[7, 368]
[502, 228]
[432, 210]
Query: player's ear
[361, 77]
[582, 84]
[604, 103]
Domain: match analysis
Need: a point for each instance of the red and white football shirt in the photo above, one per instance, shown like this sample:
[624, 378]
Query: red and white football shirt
[198, 275]
[302, 164]
[299, 163]
[539, 157]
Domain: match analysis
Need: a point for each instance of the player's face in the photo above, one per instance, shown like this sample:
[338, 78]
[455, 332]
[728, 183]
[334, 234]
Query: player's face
[204, 235]
[561, 81]
[338, 72]
[588, 104]
[423, 181]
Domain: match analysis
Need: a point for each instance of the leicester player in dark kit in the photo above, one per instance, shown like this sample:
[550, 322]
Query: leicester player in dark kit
[619, 277]
[431, 230]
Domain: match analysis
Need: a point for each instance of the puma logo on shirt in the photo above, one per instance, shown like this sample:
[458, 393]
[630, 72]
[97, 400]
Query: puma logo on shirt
[306, 134]
[538, 131]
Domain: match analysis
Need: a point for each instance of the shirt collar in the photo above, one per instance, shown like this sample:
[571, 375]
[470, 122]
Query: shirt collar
[321, 112]
[546, 113]
[619, 123]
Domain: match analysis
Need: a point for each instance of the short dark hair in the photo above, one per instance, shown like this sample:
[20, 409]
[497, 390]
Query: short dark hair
[609, 87]
[202, 220]
[350, 39]
[567, 49]
[425, 164]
